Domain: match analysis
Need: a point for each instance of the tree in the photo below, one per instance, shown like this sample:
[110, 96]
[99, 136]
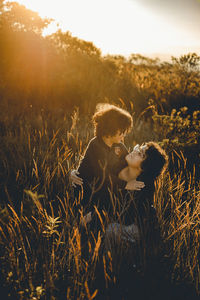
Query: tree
[68, 44]
[18, 18]
[22, 52]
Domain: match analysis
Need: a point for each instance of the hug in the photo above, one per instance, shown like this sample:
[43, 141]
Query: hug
[115, 188]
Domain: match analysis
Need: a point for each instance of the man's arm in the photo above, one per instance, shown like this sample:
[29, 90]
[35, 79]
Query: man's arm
[133, 185]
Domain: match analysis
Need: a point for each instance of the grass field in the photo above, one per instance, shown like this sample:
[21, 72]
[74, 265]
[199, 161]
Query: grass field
[40, 241]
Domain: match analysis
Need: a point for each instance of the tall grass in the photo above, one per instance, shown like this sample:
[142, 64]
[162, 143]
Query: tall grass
[178, 208]
[40, 237]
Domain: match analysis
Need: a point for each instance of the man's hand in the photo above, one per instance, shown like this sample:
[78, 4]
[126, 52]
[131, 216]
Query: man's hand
[75, 180]
[86, 219]
[134, 185]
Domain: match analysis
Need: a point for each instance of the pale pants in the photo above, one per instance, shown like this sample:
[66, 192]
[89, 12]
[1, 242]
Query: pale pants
[116, 232]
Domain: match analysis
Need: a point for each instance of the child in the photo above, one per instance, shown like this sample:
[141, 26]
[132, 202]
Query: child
[97, 170]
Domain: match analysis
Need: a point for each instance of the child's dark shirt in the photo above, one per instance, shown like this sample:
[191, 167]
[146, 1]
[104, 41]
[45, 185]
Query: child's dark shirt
[98, 169]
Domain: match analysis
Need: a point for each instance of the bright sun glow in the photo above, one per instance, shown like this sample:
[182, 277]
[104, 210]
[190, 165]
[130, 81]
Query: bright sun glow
[114, 26]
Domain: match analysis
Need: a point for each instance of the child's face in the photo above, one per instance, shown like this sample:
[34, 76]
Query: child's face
[118, 137]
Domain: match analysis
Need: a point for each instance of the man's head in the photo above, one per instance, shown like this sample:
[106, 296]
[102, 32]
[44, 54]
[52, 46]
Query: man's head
[112, 121]
[155, 160]
[150, 158]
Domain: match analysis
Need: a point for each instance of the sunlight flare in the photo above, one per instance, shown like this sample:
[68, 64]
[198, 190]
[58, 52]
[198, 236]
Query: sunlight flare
[114, 26]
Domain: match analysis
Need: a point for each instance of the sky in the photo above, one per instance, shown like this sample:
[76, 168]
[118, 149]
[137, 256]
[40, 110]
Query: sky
[149, 27]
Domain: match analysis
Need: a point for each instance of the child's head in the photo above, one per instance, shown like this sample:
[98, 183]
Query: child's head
[110, 120]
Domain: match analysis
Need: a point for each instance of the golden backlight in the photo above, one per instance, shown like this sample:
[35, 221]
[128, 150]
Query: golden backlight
[114, 26]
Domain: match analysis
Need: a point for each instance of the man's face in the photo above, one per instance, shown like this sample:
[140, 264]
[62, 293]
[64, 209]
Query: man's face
[136, 157]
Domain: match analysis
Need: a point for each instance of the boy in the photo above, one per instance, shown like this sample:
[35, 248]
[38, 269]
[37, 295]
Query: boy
[99, 167]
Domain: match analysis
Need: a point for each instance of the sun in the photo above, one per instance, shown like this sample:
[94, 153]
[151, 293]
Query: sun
[114, 26]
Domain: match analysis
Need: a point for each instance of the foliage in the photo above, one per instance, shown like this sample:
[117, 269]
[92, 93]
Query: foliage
[179, 127]
[19, 18]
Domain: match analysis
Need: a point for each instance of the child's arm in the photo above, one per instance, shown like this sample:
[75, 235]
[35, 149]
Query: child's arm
[75, 179]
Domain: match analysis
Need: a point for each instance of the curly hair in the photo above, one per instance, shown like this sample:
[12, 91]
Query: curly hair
[108, 119]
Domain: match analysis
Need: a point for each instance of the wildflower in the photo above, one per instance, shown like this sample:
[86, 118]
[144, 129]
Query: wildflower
[184, 109]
